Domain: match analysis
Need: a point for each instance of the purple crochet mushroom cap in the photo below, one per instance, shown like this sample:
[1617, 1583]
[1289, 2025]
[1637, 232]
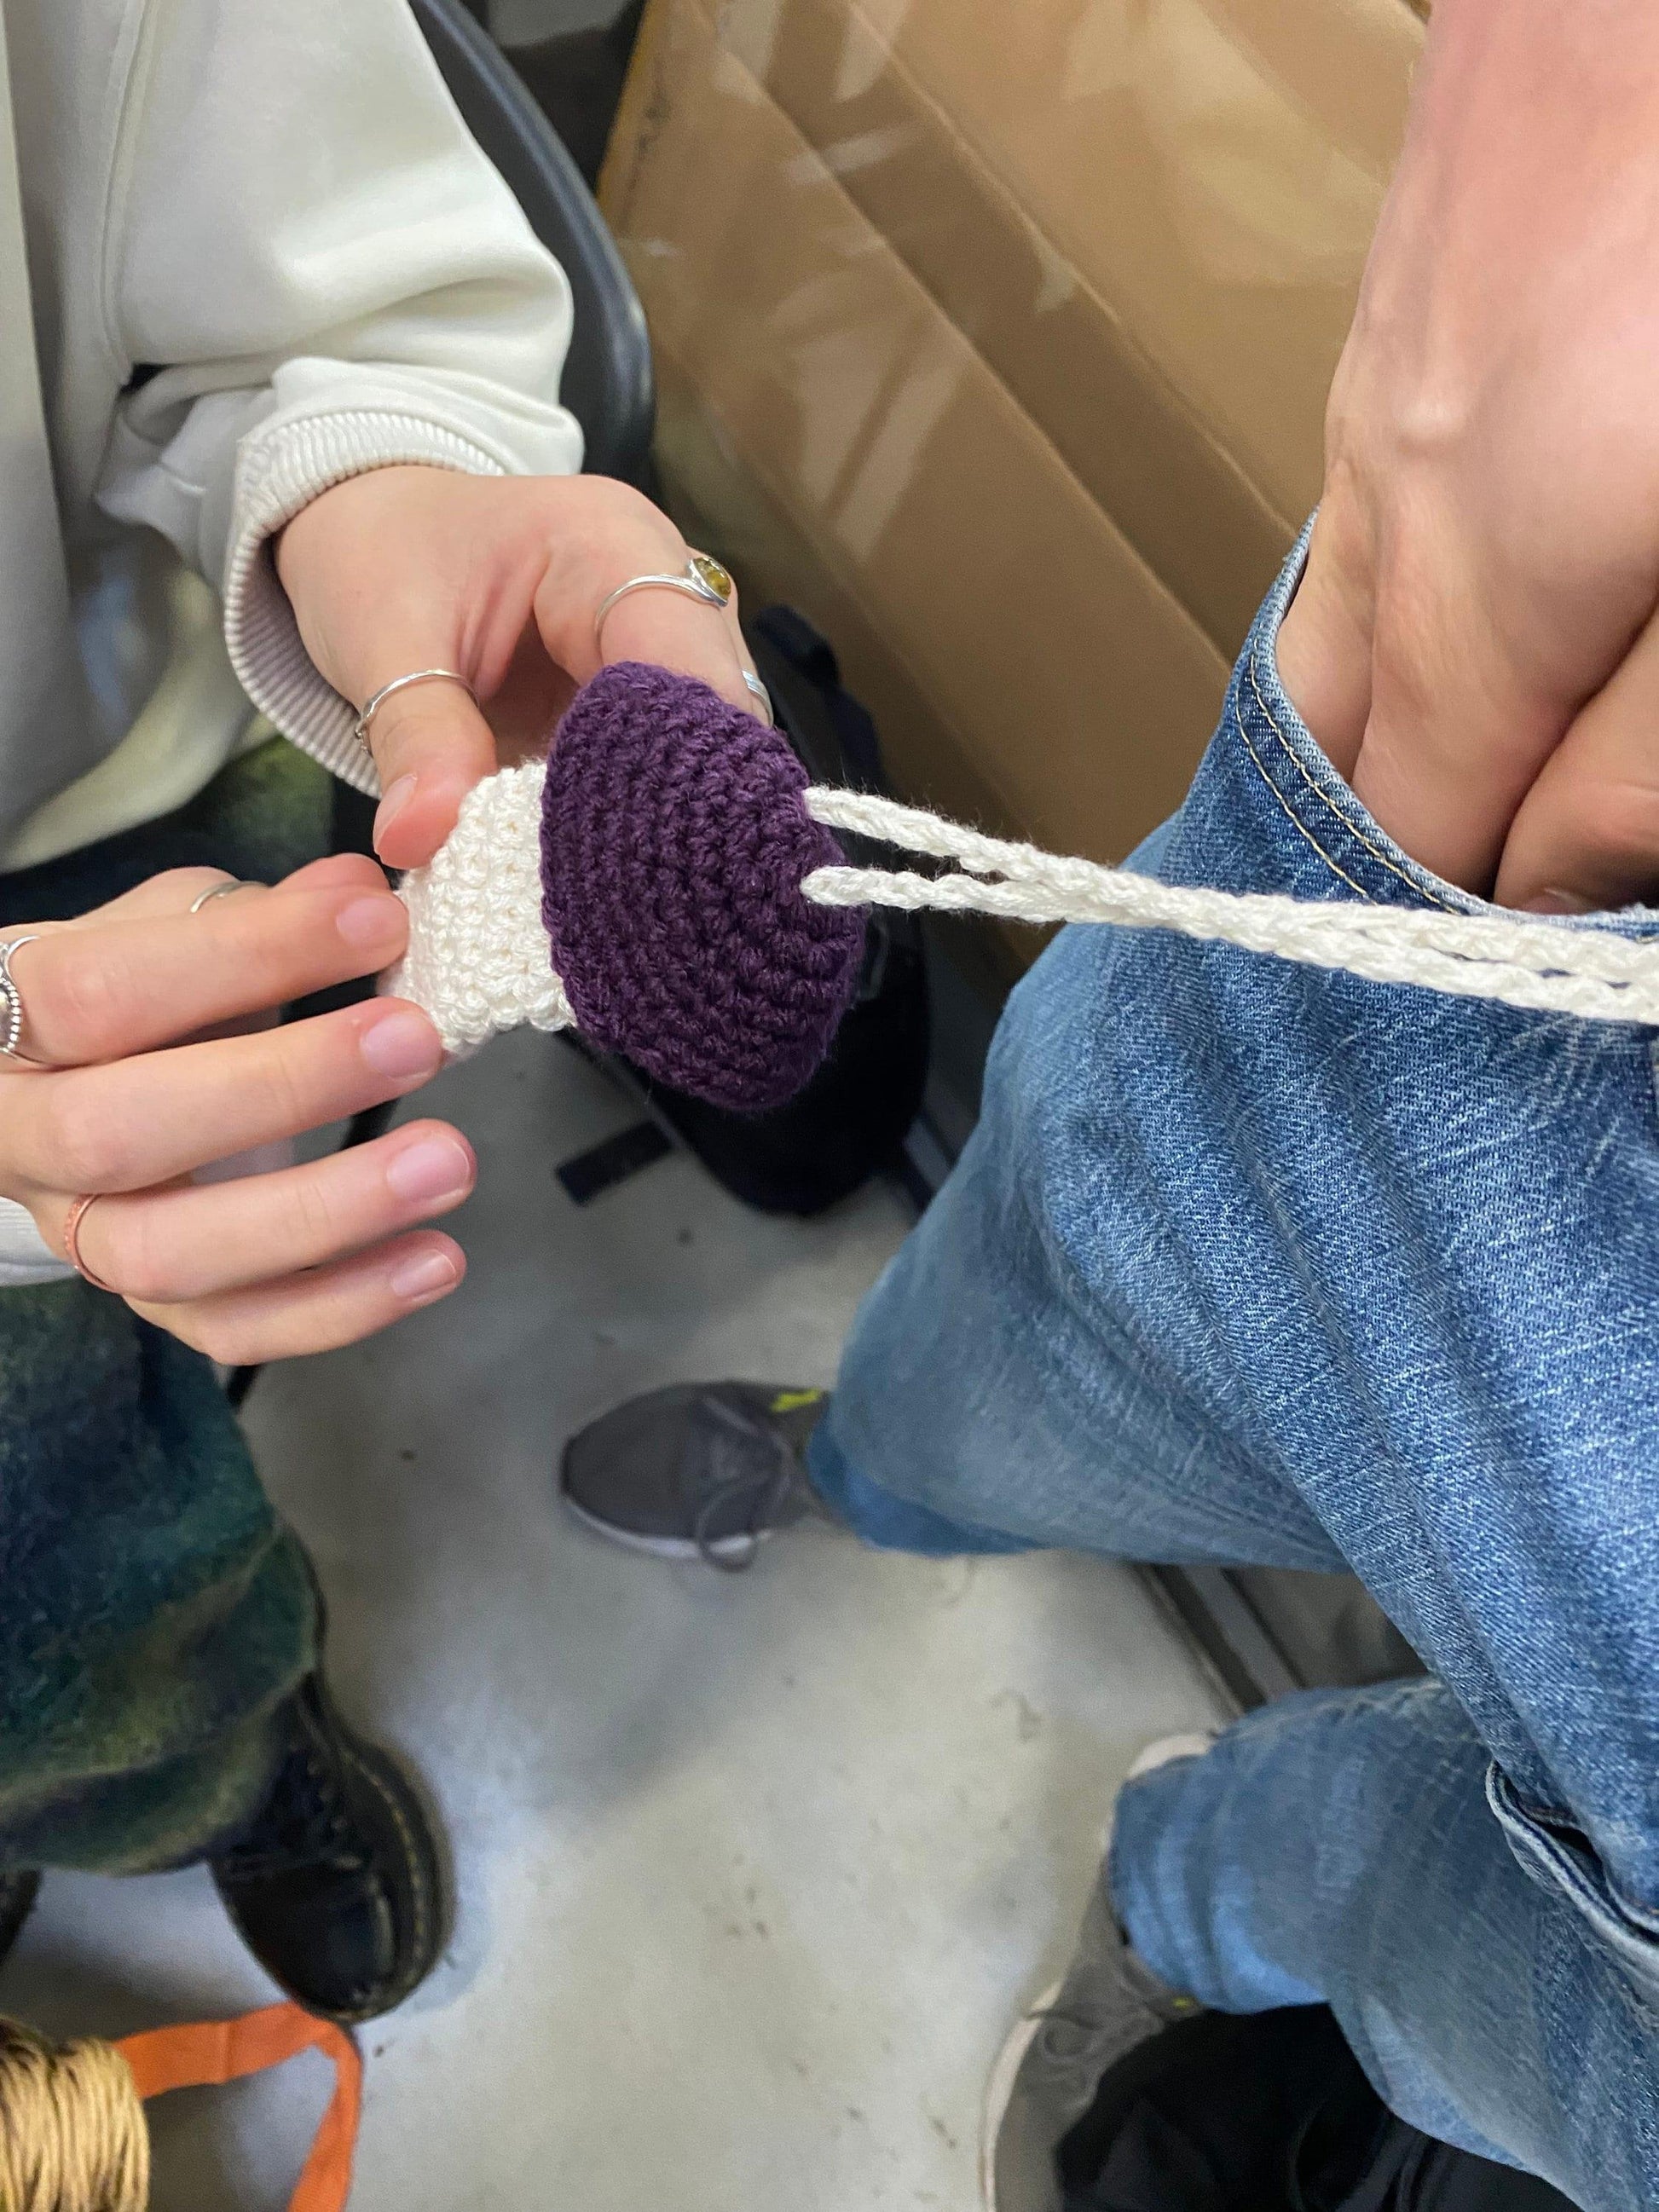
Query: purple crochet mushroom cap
[674, 842]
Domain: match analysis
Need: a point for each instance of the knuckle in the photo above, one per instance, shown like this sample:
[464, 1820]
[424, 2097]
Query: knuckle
[623, 530]
[313, 1219]
[613, 501]
[90, 1148]
[424, 720]
[391, 734]
[1619, 820]
[288, 1088]
[84, 994]
[296, 1070]
[134, 1256]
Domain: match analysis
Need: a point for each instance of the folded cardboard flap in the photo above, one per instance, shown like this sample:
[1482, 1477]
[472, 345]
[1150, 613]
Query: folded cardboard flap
[999, 344]
[1181, 190]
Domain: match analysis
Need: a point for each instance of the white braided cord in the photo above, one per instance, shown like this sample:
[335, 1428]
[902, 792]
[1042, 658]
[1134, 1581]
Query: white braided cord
[478, 959]
[1543, 967]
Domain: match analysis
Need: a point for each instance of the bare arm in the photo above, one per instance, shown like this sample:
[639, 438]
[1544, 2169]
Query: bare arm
[1474, 642]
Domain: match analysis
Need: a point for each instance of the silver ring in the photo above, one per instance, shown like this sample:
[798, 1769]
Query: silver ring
[359, 728]
[762, 694]
[702, 578]
[224, 890]
[11, 1003]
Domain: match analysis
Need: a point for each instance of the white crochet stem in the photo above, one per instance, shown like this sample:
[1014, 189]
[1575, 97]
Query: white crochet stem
[478, 956]
[1541, 966]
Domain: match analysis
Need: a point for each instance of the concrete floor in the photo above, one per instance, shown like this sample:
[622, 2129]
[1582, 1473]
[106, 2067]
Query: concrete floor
[753, 1871]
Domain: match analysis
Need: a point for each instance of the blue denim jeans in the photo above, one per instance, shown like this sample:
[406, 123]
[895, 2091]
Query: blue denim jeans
[1252, 1264]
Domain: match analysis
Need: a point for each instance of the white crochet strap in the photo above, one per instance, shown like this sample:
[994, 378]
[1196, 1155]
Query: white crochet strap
[1543, 967]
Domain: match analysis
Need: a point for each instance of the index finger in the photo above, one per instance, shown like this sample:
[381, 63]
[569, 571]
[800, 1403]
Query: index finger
[127, 986]
[172, 891]
[1423, 699]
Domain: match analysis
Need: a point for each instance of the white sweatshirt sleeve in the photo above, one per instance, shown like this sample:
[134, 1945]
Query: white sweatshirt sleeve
[327, 276]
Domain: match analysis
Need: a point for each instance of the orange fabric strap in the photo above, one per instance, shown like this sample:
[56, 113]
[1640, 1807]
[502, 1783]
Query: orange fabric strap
[212, 2051]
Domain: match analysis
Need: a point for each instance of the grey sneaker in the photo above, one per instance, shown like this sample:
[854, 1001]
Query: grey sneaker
[701, 1470]
[1047, 2074]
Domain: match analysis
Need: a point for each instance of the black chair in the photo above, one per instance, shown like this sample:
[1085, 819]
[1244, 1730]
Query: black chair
[608, 385]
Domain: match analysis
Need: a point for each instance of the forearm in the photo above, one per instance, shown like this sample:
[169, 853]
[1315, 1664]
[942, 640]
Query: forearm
[1487, 554]
[1521, 111]
[1529, 43]
[379, 300]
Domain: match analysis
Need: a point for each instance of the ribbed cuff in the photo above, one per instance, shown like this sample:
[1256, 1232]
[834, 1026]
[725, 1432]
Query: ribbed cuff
[280, 469]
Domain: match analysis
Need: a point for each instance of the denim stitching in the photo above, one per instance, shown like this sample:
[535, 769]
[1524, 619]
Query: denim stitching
[1291, 814]
[1324, 797]
[1600, 1889]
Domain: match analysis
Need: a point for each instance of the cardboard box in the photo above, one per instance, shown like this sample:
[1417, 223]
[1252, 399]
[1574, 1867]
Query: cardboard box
[995, 335]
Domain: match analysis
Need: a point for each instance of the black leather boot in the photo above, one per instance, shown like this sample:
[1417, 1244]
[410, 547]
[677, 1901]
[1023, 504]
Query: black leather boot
[335, 1886]
[17, 1896]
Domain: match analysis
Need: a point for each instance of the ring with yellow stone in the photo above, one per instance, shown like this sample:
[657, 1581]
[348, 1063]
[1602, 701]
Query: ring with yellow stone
[702, 578]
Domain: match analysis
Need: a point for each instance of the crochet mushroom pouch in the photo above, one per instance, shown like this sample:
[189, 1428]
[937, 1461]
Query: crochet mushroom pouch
[644, 885]
[668, 883]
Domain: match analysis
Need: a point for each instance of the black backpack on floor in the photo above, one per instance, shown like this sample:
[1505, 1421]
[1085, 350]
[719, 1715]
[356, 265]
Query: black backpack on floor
[1267, 2113]
[850, 1122]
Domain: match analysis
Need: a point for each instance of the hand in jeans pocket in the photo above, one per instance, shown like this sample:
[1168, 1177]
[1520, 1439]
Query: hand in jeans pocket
[1474, 644]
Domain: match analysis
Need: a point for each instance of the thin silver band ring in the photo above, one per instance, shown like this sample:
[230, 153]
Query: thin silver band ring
[359, 728]
[11, 1003]
[224, 890]
[11, 995]
[760, 693]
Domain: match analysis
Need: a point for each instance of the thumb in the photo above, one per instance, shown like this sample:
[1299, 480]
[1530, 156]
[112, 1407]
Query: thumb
[431, 745]
[1586, 836]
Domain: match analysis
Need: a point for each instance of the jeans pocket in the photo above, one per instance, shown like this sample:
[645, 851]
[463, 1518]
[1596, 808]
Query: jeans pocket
[1560, 1858]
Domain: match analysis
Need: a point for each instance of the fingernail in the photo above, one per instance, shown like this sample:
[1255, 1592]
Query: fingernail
[424, 1277]
[1552, 901]
[367, 923]
[403, 1043]
[393, 799]
[436, 1166]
